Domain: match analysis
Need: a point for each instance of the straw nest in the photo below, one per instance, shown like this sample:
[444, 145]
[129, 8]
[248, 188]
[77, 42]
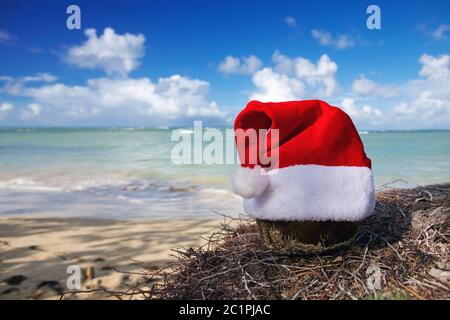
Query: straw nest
[401, 252]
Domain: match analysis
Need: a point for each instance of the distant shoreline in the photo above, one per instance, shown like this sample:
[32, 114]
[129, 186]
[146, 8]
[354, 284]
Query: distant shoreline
[144, 128]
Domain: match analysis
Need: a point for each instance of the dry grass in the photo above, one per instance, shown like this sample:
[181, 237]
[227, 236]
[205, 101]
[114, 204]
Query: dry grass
[406, 240]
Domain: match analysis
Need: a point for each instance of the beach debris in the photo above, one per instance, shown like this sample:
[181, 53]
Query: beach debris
[88, 273]
[106, 267]
[443, 265]
[182, 189]
[131, 188]
[441, 275]
[401, 252]
[15, 280]
[53, 285]
[63, 256]
[426, 196]
[9, 291]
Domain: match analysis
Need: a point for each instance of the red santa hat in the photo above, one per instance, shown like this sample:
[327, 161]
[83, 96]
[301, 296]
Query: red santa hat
[322, 172]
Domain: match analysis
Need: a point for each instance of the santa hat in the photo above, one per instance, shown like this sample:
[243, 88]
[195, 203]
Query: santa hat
[322, 172]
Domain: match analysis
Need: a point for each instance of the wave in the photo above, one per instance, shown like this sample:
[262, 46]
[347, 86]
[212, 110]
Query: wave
[119, 187]
[116, 198]
[185, 131]
[26, 183]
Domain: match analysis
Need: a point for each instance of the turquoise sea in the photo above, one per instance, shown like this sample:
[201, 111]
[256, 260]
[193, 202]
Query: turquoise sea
[129, 173]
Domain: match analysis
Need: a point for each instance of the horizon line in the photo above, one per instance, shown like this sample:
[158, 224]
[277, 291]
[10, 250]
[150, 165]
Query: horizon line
[185, 127]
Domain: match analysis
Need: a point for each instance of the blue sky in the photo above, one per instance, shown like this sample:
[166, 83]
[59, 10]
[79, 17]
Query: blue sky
[167, 63]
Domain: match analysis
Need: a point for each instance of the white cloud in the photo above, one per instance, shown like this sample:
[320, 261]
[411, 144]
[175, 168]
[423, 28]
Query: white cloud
[4, 36]
[440, 33]
[114, 53]
[322, 74]
[295, 78]
[427, 99]
[371, 111]
[418, 104]
[31, 111]
[14, 85]
[421, 103]
[40, 77]
[435, 68]
[427, 106]
[273, 86]
[283, 64]
[175, 97]
[366, 112]
[348, 105]
[5, 107]
[169, 100]
[402, 108]
[365, 87]
[247, 65]
[424, 106]
[291, 22]
[340, 41]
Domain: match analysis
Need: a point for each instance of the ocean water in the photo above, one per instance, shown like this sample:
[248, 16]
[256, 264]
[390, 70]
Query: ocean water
[128, 172]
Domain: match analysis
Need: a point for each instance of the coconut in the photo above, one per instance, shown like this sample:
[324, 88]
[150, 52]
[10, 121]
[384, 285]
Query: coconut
[310, 237]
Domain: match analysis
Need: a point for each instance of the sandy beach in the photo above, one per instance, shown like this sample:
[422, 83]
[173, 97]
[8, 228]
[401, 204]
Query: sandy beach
[35, 252]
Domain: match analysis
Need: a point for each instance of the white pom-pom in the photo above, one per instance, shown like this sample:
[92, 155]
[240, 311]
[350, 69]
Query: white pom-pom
[249, 183]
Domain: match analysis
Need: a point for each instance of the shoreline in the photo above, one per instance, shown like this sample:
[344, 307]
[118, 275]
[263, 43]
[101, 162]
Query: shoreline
[35, 252]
